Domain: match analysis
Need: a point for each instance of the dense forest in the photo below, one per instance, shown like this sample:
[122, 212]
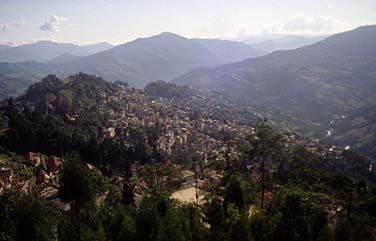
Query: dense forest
[269, 189]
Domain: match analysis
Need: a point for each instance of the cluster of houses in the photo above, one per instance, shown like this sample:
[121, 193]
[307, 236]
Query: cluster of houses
[182, 129]
[6, 178]
[181, 126]
[46, 167]
[45, 172]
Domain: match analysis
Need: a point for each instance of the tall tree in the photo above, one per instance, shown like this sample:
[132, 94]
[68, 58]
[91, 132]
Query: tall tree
[79, 185]
[263, 145]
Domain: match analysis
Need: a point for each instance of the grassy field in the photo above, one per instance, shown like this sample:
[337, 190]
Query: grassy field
[188, 195]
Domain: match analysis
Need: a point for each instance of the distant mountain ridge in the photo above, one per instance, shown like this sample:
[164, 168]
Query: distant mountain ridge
[64, 58]
[320, 82]
[287, 43]
[230, 51]
[46, 50]
[164, 56]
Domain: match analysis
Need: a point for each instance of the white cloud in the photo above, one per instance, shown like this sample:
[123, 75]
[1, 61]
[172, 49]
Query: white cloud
[241, 32]
[15, 43]
[53, 24]
[16, 23]
[19, 22]
[53, 37]
[302, 24]
[4, 26]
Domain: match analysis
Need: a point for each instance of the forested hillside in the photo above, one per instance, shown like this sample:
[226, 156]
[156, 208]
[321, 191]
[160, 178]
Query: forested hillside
[85, 159]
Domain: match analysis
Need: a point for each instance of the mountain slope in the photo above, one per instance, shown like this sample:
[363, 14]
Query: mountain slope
[164, 56]
[41, 51]
[64, 58]
[16, 77]
[12, 86]
[357, 130]
[139, 62]
[3, 46]
[230, 51]
[321, 82]
[96, 48]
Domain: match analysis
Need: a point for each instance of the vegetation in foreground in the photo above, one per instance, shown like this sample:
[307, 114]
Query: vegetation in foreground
[268, 190]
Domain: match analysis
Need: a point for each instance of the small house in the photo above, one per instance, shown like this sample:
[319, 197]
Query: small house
[54, 164]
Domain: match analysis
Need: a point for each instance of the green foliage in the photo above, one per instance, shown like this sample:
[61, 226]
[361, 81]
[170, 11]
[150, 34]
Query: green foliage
[27, 217]
[79, 185]
[264, 147]
[158, 218]
[264, 142]
[326, 234]
[183, 157]
[344, 231]
[85, 227]
[302, 216]
[215, 216]
[235, 193]
[293, 215]
[122, 224]
[44, 125]
[241, 229]
[163, 89]
[53, 135]
[192, 226]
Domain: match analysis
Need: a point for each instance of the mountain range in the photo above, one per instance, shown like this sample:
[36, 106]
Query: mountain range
[321, 83]
[230, 51]
[325, 89]
[286, 43]
[270, 42]
[46, 50]
[139, 62]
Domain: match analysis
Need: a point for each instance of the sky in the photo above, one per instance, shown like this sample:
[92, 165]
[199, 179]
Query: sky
[120, 21]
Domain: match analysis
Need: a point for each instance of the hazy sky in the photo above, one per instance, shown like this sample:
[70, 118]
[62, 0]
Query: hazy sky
[119, 21]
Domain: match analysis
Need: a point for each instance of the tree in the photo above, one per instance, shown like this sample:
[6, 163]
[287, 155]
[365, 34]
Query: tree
[64, 101]
[26, 217]
[344, 231]
[122, 224]
[326, 234]
[235, 193]
[302, 167]
[88, 227]
[79, 185]
[169, 228]
[264, 144]
[239, 228]
[128, 194]
[300, 216]
[192, 225]
[154, 206]
[214, 215]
